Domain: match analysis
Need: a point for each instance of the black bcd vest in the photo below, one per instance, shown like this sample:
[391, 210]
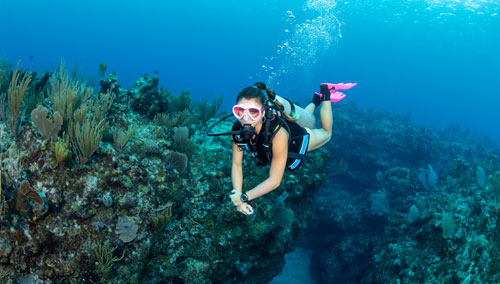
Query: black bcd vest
[297, 143]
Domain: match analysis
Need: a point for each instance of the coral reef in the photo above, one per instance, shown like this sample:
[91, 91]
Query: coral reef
[142, 201]
[124, 186]
[414, 206]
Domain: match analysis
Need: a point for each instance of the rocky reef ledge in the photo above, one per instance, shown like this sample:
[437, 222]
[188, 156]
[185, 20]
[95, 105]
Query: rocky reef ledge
[123, 186]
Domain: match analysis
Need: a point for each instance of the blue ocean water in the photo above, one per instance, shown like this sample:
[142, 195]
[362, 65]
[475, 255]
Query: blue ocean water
[437, 60]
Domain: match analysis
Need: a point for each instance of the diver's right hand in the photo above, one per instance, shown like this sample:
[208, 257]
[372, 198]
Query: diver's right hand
[245, 208]
[236, 197]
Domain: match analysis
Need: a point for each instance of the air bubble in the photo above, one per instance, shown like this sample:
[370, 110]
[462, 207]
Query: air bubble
[305, 41]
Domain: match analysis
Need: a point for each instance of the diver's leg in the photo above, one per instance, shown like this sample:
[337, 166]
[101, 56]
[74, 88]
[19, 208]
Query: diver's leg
[316, 101]
[326, 116]
[319, 137]
[310, 108]
[304, 117]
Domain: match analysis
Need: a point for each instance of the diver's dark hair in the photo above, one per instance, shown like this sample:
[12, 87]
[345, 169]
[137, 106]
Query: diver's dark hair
[255, 92]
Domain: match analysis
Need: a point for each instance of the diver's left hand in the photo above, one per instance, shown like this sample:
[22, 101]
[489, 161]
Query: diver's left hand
[245, 208]
[236, 197]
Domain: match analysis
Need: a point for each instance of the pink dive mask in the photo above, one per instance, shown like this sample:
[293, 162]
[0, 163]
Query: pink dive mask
[247, 112]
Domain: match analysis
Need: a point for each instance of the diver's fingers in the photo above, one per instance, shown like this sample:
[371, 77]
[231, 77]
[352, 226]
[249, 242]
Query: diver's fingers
[235, 198]
[249, 209]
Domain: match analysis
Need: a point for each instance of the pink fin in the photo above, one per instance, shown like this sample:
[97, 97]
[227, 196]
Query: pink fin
[340, 86]
[337, 96]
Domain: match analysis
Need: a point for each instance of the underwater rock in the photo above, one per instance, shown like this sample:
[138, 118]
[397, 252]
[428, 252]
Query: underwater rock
[170, 227]
[111, 84]
[107, 200]
[130, 216]
[284, 217]
[436, 247]
[145, 97]
[5, 250]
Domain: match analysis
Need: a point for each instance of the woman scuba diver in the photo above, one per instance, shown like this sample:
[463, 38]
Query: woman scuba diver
[276, 132]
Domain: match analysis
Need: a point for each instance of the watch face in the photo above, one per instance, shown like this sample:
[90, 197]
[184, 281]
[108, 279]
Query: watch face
[244, 197]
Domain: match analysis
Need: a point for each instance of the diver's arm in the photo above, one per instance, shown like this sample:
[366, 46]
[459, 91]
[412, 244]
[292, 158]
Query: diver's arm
[237, 168]
[237, 179]
[278, 164]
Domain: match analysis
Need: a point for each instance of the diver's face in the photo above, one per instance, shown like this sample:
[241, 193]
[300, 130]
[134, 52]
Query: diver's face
[249, 111]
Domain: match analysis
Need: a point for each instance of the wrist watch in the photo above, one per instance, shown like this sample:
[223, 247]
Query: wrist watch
[244, 197]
